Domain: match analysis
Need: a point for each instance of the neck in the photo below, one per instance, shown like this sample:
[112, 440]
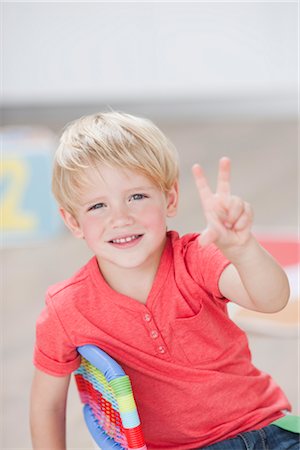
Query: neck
[133, 282]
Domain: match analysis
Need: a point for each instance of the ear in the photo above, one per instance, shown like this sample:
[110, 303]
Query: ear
[172, 200]
[72, 223]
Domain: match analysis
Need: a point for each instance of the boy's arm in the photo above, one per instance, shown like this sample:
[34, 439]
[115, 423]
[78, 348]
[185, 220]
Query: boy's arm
[254, 279]
[48, 411]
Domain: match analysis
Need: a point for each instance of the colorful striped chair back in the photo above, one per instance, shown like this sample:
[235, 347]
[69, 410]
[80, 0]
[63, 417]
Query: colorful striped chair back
[109, 408]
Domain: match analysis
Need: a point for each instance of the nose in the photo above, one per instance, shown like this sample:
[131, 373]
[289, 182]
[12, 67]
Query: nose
[121, 217]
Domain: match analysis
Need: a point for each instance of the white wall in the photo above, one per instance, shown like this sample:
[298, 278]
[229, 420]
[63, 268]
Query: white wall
[60, 52]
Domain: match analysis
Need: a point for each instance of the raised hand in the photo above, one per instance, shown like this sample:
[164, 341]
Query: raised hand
[228, 217]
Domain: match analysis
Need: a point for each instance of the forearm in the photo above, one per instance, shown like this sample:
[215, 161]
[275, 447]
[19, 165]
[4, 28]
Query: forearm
[48, 411]
[263, 279]
[48, 430]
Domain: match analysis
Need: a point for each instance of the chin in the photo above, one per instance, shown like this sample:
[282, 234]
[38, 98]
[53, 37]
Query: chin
[132, 262]
[129, 264]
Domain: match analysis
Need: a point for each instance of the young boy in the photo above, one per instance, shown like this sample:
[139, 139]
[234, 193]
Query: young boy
[155, 301]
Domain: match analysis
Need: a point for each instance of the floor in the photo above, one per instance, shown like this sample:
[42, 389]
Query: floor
[264, 165]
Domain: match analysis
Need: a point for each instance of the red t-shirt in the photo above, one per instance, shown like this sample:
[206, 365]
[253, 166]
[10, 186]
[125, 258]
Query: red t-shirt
[189, 364]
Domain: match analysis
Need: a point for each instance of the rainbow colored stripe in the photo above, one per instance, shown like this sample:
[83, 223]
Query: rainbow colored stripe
[110, 410]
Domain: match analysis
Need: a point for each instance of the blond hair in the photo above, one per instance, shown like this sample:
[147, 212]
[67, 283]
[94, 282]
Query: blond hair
[115, 139]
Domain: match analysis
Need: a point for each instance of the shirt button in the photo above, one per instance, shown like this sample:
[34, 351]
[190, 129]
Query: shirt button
[147, 317]
[161, 349]
[154, 334]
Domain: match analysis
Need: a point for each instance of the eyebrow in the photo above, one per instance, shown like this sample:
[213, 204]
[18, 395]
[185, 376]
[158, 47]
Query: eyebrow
[140, 188]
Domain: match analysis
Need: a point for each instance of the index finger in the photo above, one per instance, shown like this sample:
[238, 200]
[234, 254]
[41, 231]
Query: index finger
[202, 184]
[223, 182]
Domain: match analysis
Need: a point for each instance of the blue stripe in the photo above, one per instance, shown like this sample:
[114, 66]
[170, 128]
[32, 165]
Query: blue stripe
[130, 419]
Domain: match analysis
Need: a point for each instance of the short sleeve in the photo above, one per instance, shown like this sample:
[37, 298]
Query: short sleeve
[206, 265]
[54, 352]
[212, 262]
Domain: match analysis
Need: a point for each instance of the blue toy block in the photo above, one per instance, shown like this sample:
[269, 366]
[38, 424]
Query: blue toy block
[28, 210]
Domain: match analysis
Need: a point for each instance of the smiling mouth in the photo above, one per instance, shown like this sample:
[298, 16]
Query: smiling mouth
[125, 240]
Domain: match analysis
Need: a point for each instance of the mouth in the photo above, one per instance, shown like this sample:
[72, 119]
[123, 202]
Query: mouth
[126, 241]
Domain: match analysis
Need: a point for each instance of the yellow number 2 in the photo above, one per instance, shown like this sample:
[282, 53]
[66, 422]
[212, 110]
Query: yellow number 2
[12, 217]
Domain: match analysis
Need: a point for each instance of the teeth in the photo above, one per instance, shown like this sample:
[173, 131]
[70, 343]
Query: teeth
[124, 240]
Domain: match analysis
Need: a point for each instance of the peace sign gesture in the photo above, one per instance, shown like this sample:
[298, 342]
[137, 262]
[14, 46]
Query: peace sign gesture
[228, 217]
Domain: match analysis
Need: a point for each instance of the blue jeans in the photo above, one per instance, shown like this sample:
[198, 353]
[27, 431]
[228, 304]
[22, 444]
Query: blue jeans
[267, 438]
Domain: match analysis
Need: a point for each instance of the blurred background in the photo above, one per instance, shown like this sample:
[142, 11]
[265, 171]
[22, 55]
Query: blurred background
[218, 78]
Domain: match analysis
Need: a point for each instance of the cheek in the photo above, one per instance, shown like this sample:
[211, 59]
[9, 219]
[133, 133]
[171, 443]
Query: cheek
[91, 226]
[154, 217]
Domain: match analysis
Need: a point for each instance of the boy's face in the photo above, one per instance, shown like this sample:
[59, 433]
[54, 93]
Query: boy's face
[122, 217]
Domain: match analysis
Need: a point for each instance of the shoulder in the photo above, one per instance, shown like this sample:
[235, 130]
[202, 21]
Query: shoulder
[73, 286]
[184, 242]
[187, 246]
[203, 264]
[184, 253]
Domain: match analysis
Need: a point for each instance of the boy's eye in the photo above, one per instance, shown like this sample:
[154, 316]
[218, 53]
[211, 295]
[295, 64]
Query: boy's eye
[138, 196]
[96, 206]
